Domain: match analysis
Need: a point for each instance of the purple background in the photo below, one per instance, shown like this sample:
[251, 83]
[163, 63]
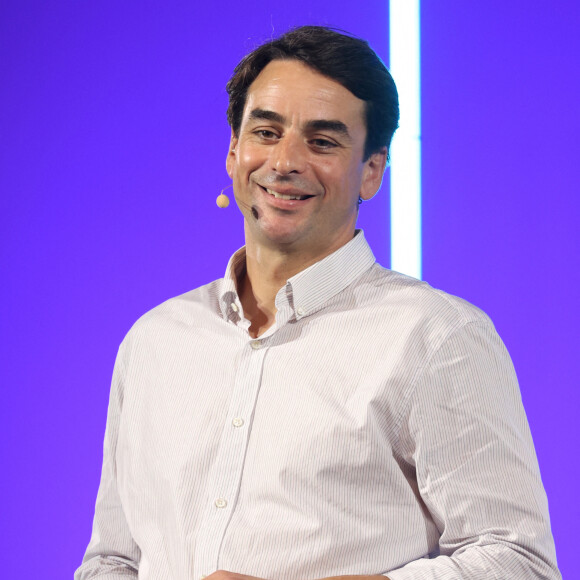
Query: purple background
[112, 148]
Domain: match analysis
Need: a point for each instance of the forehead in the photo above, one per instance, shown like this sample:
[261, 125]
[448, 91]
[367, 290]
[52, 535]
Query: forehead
[292, 88]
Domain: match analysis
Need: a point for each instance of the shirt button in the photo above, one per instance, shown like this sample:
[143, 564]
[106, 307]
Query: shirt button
[220, 502]
[256, 344]
[234, 307]
[300, 311]
[238, 422]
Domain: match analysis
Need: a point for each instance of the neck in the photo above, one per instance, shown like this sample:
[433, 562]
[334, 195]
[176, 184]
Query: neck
[267, 270]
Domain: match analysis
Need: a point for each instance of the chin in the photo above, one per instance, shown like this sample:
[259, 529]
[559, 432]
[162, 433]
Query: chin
[280, 236]
[279, 231]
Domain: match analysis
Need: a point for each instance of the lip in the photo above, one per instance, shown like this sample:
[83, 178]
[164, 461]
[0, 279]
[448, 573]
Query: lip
[285, 203]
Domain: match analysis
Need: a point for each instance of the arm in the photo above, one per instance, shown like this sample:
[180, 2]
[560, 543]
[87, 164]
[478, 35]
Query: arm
[112, 552]
[467, 436]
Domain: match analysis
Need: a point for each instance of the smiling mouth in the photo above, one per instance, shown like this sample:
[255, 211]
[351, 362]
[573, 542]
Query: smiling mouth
[283, 196]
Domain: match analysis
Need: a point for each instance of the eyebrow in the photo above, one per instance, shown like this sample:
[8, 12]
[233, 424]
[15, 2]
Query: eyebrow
[266, 116]
[328, 125]
[315, 125]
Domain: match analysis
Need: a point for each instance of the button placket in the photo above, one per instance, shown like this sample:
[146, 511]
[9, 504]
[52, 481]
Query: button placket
[225, 477]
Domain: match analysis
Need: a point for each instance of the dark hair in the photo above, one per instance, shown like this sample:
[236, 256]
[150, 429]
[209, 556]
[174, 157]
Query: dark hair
[346, 59]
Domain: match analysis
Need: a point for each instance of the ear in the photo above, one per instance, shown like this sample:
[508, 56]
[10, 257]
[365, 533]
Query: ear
[373, 171]
[231, 156]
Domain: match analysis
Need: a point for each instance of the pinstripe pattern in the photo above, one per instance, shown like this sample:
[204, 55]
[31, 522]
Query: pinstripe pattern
[376, 428]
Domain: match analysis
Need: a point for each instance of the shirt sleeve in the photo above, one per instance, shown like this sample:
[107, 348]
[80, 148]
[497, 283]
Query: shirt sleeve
[112, 553]
[467, 436]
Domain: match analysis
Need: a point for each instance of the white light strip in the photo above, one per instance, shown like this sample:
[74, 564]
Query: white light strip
[405, 66]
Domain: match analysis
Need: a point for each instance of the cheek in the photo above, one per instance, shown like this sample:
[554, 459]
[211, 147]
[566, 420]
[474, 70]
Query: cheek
[346, 179]
[353, 175]
[328, 171]
[251, 156]
[339, 169]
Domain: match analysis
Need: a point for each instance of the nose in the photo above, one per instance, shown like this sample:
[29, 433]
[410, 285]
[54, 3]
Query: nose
[289, 155]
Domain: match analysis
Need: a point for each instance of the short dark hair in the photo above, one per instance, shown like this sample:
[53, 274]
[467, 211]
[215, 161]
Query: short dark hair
[346, 59]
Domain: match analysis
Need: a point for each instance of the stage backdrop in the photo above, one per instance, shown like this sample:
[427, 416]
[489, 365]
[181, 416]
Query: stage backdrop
[113, 139]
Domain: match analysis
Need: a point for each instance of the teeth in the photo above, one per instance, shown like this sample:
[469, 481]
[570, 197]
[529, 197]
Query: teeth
[281, 196]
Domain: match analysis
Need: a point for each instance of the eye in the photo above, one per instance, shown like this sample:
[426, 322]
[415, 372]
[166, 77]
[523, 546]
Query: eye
[266, 134]
[321, 143]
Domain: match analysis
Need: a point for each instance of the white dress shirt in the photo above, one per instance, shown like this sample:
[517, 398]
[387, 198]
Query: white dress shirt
[375, 428]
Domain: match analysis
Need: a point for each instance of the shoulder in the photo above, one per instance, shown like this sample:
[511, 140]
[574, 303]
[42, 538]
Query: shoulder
[197, 308]
[414, 305]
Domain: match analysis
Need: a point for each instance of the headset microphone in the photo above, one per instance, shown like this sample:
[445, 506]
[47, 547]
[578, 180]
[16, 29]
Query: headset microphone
[222, 199]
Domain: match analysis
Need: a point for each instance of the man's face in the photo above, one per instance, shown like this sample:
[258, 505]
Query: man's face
[297, 165]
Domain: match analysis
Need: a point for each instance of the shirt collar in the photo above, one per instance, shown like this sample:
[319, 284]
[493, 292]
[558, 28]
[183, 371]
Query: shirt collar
[307, 291]
[230, 305]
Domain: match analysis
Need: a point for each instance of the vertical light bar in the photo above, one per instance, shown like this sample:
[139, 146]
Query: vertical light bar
[405, 66]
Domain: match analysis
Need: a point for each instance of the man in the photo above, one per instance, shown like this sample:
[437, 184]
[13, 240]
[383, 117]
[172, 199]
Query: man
[312, 414]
